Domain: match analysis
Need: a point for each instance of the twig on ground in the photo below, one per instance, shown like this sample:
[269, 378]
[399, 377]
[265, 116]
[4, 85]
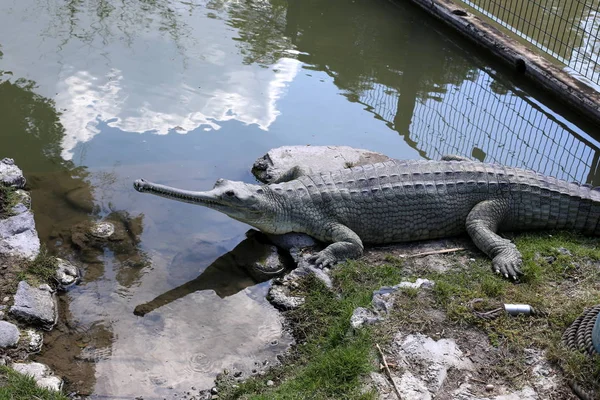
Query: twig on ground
[387, 370]
[428, 253]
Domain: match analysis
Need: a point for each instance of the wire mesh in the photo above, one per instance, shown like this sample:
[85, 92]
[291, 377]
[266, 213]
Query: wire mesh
[568, 30]
[486, 120]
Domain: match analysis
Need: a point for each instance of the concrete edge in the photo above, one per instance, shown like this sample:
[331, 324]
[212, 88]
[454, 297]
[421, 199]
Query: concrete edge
[569, 90]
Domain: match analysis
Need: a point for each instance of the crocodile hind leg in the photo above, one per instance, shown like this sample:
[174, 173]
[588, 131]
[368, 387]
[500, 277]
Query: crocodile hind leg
[482, 224]
[346, 244]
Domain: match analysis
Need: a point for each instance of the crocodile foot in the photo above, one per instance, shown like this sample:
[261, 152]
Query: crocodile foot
[323, 259]
[508, 263]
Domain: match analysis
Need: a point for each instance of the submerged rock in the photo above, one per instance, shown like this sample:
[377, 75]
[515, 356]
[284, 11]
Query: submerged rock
[9, 334]
[18, 236]
[41, 373]
[34, 306]
[313, 159]
[10, 174]
[102, 230]
[67, 274]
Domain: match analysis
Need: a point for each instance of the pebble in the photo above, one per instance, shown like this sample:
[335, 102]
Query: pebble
[489, 388]
[6, 299]
[214, 390]
[270, 383]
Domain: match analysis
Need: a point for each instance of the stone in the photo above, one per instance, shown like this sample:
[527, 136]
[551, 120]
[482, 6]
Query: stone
[281, 298]
[19, 209]
[102, 230]
[270, 383]
[268, 265]
[41, 373]
[10, 174]
[383, 299]
[9, 334]
[23, 197]
[292, 240]
[313, 159]
[33, 340]
[34, 306]
[362, 316]
[18, 236]
[440, 355]
[67, 274]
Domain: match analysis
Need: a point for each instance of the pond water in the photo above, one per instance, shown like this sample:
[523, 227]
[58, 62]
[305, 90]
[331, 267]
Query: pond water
[97, 93]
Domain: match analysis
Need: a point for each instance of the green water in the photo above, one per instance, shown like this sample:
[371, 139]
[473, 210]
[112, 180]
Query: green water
[97, 93]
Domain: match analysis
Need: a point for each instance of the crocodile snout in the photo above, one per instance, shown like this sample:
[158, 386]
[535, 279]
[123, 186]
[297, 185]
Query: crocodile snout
[140, 185]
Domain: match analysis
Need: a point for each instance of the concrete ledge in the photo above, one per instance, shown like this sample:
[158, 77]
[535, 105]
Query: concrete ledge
[567, 89]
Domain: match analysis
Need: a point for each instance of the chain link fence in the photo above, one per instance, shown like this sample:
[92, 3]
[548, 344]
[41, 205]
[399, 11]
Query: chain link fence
[493, 122]
[568, 30]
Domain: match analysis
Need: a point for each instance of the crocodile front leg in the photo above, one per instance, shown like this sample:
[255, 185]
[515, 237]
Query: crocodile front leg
[482, 224]
[346, 245]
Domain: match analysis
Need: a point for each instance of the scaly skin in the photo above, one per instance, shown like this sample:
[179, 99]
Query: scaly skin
[399, 201]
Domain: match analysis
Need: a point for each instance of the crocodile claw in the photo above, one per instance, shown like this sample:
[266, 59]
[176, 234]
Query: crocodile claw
[323, 259]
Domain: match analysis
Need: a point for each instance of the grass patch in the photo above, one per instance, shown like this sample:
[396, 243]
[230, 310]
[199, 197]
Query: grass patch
[14, 386]
[330, 360]
[41, 269]
[561, 278]
[8, 199]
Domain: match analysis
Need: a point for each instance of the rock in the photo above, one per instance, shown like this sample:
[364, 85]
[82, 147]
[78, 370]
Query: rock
[439, 356]
[102, 230]
[291, 241]
[413, 388]
[34, 306]
[18, 236]
[383, 299]
[67, 274]
[281, 298]
[362, 316]
[23, 197]
[271, 264]
[313, 159]
[41, 373]
[564, 251]
[33, 340]
[10, 174]
[270, 383]
[9, 334]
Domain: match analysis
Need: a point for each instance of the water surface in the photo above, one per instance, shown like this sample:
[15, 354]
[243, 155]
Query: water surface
[97, 93]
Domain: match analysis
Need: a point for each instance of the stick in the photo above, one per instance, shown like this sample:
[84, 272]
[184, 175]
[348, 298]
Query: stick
[387, 369]
[428, 253]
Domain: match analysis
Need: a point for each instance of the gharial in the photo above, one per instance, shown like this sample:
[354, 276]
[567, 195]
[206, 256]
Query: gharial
[398, 201]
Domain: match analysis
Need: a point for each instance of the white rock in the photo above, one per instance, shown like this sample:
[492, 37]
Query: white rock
[9, 334]
[362, 316]
[10, 174]
[412, 388]
[426, 283]
[102, 229]
[41, 373]
[33, 340]
[439, 356]
[18, 236]
[67, 274]
[34, 306]
[313, 159]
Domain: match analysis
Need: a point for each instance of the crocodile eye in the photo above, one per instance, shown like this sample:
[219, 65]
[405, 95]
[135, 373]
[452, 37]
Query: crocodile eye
[230, 193]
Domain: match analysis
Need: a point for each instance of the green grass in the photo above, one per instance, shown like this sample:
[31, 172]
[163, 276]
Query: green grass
[14, 386]
[560, 286]
[41, 269]
[8, 199]
[331, 360]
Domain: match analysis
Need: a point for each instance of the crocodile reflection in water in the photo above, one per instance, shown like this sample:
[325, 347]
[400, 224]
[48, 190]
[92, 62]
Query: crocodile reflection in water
[227, 275]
